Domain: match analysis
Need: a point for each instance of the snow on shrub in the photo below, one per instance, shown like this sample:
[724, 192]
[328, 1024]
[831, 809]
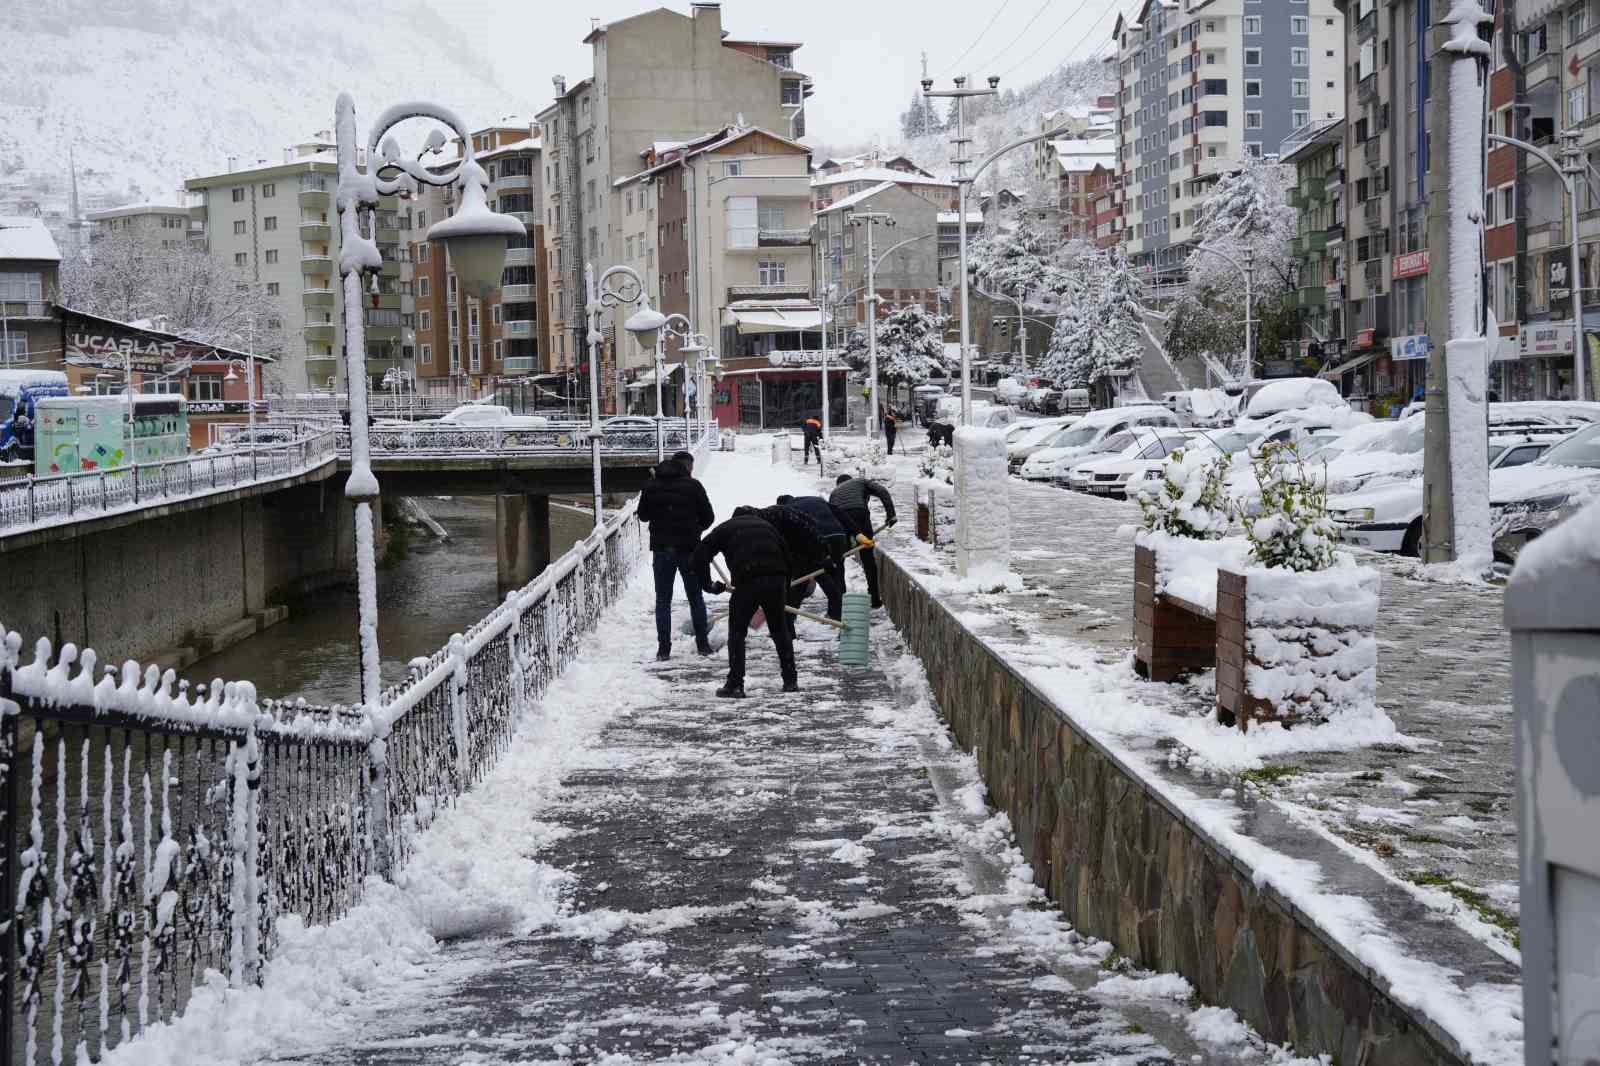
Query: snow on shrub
[939, 464]
[1191, 499]
[1293, 530]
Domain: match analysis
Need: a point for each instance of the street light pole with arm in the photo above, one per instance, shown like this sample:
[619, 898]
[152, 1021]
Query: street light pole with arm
[1248, 269]
[871, 220]
[645, 325]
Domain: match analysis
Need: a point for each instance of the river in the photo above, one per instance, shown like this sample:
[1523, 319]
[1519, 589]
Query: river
[437, 588]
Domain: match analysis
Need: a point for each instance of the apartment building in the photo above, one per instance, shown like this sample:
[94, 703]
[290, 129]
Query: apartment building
[839, 179]
[465, 345]
[1077, 162]
[659, 80]
[1316, 151]
[907, 275]
[1203, 84]
[158, 225]
[276, 223]
[30, 266]
[1076, 123]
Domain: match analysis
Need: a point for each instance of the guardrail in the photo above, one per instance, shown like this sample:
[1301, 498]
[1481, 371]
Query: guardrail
[154, 831]
[33, 501]
[555, 438]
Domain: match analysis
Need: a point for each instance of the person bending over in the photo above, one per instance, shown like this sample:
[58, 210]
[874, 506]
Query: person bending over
[851, 496]
[758, 566]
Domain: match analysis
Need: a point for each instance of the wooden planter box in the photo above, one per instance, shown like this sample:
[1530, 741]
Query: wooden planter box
[1171, 637]
[924, 522]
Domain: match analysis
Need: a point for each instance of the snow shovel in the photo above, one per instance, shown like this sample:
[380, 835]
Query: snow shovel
[866, 542]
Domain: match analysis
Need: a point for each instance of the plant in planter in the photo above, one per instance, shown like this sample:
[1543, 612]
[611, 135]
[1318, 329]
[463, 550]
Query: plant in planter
[1295, 630]
[1190, 499]
[936, 495]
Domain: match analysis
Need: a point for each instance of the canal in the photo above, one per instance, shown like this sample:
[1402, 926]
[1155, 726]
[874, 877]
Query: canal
[433, 589]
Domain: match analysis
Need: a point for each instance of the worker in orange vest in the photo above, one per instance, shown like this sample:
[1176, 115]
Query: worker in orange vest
[812, 429]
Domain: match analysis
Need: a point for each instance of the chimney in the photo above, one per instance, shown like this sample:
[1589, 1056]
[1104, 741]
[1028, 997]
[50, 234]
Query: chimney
[233, 163]
[560, 82]
[708, 17]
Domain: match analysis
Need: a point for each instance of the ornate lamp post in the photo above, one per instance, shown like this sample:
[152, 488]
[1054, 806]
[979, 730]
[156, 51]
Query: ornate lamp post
[679, 326]
[475, 240]
[645, 324]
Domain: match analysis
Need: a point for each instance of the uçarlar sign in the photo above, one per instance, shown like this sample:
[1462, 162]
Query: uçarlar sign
[107, 344]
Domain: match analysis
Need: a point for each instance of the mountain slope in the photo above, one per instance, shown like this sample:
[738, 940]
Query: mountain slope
[148, 92]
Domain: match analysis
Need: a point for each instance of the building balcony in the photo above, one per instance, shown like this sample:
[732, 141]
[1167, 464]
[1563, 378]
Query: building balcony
[321, 369]
[520, 364]
[1367, 88]
[315, 199]
[316, 264]
[1313, 296]
[1314, 191]
[26, 309]
[1542, 69]
[510, 183]
[386, 234]
[388, 301]
[783, 238]
[1372, 211]
[1314, 242]
[520, 257]
[197, 232]
[389, 269]
[317, 298]
[1372, 150]
[383, 333]
[769, 292]
[321, 332]
[517, 293]
[1333, 178]
[518, 327]
[316, 230]
[527, 218]
[1295, 198]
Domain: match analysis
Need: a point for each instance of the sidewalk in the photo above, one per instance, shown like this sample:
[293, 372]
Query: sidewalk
[653, 875]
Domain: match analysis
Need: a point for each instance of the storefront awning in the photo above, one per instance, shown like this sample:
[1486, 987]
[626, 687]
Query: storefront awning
[648, 378]
[777, 320]
[1350, 364]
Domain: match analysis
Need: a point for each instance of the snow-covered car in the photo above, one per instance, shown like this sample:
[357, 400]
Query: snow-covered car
[1145, 454]
[1291, 394]
[1010, 391]
[486, 416]
[1052, 462]
[1386, 515]
[1025, 439]
[1528, 501]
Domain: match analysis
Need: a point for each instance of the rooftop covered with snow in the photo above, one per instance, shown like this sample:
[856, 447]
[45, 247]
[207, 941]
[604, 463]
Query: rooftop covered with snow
[26, 238]
[877, 174]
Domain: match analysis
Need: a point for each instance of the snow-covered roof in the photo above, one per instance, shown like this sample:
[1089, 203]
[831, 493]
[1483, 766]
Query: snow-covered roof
[527, 144]
[26, 238]
[878, 174]
[950, 218]
[708, 142]
[136, 209]
[856, 198]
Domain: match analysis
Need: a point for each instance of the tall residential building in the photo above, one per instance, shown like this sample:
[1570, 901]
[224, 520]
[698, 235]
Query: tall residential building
[30, 267]
[1204, 84]
[659, 79]
[1317, 154]
[277, 223]
[1076, 123]
[159, 225]
[467, 345]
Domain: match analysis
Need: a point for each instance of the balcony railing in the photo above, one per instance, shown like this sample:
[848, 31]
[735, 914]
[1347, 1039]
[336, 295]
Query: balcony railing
[516, 293]
[1372, 151]
[768, 292]
[315, 230]
[518, 327]
[783, 238]
[316, 264]
[1372, 211]
[520, 257]
[520, 364]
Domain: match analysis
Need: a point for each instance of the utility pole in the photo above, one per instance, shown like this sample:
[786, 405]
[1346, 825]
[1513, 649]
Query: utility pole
[960, 94]
[1455, 517]
[870, 220]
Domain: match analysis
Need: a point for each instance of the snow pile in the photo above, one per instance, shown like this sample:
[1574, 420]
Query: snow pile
[1191, 499]
[939, 464]
[983, 503]
[1574, 543]
[1187, 568]
[1310, 638]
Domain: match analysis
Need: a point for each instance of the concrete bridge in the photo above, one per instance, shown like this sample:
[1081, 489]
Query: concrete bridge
[172, 561]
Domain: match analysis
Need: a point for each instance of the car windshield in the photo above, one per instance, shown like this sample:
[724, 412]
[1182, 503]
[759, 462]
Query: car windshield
[1494, 452]
[1580, 449]
[1075, 436]
[1117, 442]
[1234, 441]
[1034, 434]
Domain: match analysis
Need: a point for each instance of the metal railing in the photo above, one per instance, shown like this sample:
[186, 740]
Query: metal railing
[636, 436]
[154, 832]
[50, 500]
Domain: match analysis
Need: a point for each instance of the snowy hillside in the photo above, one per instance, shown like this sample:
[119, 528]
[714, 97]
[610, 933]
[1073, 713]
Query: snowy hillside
[148, 92]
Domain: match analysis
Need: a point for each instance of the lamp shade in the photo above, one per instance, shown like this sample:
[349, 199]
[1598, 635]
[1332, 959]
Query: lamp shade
[475, 237]
[645, 324]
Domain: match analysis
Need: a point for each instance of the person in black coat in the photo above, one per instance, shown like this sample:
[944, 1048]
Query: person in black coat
[807, 552]
[850, 497]
[678, 511]
[891, 427]
[837, 539]
[758, 566]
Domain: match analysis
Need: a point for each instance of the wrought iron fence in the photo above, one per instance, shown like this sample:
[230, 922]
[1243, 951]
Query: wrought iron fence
[624, 437]
[33, 501]
[154, 832]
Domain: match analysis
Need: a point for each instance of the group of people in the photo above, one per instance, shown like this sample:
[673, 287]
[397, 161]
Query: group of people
[776, 557]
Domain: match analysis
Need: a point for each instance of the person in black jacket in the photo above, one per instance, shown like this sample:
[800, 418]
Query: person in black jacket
[891, 427]
[678, 510]
[850, 497]
[807, 553]
[837, 539]
[758, 564]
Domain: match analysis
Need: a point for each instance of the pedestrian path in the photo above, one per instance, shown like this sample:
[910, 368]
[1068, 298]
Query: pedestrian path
[808, 878]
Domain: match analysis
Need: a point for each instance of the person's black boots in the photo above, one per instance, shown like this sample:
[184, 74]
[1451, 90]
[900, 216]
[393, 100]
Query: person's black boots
[791, 684]
[663, 652]
[730, 691]
[703, 646]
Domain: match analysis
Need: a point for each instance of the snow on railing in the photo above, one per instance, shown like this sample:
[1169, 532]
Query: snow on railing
[55, 499]
[158, 829]
[630, 436]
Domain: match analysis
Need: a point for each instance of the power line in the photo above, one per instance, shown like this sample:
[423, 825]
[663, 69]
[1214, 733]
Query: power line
[1088, 37]
[1024, 32]
[974, 43]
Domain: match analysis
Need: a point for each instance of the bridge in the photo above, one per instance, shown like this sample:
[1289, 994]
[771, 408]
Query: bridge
[231, 532]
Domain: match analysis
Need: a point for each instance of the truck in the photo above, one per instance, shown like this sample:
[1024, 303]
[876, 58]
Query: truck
[75, 434]
[20, 392]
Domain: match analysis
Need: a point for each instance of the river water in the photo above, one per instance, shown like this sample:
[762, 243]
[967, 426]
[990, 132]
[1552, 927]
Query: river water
[437, 588]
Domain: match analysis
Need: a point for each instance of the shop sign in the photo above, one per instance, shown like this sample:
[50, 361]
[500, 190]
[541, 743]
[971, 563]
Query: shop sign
[1558, 281]
[1544, 338]
[1365, 338]
[1416, 346]
[1409, 265]
[807, 357]
[224, 407]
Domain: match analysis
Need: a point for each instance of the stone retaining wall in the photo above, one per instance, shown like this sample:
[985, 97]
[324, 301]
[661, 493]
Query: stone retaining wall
[1126, 866]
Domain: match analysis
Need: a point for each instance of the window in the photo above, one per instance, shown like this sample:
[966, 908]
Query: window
[19, 287]
[455, 357]
[1252, 57]
[422, 252]
[452, 286]
[494, 315]
[733, 168]
[238, 227]
[422, 220]
[475, 353]
[273, 288]
[238, 196]
[1252, 24]
[1299, 25]
[1577, 104]
[268, 191]
[1252, 87]
[272, 255]
[455, 322]
[13, 348]
[240, 259]
[1252, 120]
[771, 271]
[204, 388]
[423, 285]
[269, 222]
[1577, 20]
[1299, 118]
[499, 350]
[791, 93]
[1508, 203]
[424, 319]
[427, 354]
[1299, 88]
[1299, 57]
[770, 216]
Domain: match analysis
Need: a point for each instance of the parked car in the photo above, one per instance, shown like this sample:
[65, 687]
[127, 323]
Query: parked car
[1024, 439]
[1387, 516]
[485, 416]
[1144, 455]
[1290, 394]
[1052, 462]
[1528, 501]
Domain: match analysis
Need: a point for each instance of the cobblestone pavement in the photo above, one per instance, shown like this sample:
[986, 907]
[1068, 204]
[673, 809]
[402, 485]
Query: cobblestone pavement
[806, 878]
[1440, 816]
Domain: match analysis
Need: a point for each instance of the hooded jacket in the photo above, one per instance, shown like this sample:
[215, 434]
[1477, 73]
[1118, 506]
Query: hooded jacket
[677, 508]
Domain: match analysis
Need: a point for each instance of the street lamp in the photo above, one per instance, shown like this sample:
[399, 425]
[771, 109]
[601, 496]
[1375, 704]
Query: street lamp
[871, 220]
[695, 344]
[1248, 269]
[645, 324]
[475, 240]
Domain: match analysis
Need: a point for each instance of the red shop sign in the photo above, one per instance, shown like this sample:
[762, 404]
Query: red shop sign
[1410, 264]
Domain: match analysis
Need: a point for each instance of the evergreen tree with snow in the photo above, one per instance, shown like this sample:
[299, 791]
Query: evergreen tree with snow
[910, 347]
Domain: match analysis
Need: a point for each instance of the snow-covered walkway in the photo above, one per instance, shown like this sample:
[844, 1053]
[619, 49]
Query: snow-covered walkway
[654, 875]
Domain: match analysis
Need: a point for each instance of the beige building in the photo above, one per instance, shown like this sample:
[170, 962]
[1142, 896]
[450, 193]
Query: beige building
[159, 225]
[30, 265]
[277, 223]
[660, 80]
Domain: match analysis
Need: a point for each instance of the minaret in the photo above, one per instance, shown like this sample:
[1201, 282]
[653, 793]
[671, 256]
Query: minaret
[74, 214]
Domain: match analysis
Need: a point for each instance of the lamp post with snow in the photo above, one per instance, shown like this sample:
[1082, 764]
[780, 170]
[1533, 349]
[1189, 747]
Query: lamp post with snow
[645, 324]
[1248, 269]
[695, 344]
[871, 220]
[474, 238]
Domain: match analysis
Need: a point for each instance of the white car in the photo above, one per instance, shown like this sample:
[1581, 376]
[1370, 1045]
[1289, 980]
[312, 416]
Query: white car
[1387, 516]
[1141, 460]
[1023, 439]
[486, 416]
[1291, 394]
[1052, 462]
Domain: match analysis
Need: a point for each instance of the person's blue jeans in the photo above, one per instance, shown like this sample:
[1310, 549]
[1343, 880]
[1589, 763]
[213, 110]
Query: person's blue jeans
[668, 565]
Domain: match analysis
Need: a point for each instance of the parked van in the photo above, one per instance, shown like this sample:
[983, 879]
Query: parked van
[20, 392]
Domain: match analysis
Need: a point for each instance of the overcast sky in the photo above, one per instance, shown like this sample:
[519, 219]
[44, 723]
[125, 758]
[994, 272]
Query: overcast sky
[865, 55]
